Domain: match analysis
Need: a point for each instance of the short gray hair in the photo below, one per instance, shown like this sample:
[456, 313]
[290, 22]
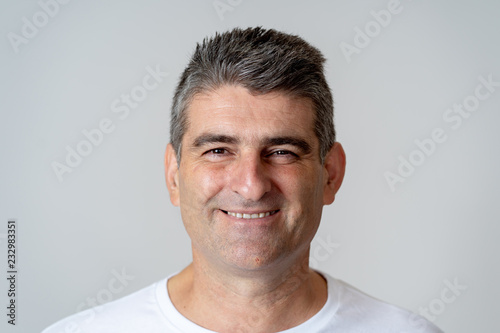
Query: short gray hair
[263, 61]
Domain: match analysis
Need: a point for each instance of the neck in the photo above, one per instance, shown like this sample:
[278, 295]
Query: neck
[258, 301]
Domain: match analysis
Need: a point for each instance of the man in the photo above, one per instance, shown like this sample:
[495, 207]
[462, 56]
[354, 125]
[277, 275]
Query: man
[251, 163]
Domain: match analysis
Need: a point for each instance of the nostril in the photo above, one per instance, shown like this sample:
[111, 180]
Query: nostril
[249, 178]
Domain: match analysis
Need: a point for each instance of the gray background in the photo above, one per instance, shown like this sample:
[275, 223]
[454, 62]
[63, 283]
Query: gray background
[112, 213]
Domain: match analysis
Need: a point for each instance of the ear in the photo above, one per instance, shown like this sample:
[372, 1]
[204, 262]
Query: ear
[172, 174]
[334, 171]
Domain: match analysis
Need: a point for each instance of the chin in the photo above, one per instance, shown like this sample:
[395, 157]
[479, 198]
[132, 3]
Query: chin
[255, 260]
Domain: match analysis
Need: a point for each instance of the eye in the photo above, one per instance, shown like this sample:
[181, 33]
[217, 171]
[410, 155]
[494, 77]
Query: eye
[283, 155]
[216, 151]
[283, 152]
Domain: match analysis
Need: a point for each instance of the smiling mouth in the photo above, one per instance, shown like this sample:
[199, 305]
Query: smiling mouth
[250, 216]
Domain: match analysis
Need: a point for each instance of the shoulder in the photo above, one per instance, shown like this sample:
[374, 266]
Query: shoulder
[368, 314]
[127, 314]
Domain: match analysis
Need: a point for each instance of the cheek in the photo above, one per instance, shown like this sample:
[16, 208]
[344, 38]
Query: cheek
[299, 184]
[198, 185]
[303, 191]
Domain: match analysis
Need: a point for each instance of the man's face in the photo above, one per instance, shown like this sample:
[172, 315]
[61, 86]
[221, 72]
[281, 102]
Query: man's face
[250, 183]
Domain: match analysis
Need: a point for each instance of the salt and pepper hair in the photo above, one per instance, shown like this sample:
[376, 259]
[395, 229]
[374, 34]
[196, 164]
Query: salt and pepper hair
[263, 61]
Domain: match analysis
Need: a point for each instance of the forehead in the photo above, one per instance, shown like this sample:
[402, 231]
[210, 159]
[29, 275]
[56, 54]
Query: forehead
[234, 110]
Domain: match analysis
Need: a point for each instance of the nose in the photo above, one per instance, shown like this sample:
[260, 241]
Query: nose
[249, 177]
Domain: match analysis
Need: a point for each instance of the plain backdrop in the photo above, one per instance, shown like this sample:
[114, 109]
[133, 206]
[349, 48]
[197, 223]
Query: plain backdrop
[395, 81]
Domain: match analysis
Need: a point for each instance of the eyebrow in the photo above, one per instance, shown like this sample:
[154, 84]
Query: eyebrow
[300, 143]
[205, 139]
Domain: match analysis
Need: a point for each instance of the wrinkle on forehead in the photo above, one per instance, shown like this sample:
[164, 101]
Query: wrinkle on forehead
[234, 102]
[234, 112]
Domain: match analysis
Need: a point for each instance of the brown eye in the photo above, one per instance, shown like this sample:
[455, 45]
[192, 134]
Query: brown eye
[217, 151]
[283, 153]
[282, 156]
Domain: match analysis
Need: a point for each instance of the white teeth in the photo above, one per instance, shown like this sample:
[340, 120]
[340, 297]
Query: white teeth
[250, 216]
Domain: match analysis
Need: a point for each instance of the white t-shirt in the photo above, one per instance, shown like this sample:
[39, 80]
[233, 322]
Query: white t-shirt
[150, 310]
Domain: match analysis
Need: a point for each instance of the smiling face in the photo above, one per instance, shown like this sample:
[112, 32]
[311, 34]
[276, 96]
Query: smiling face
[250, 184]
